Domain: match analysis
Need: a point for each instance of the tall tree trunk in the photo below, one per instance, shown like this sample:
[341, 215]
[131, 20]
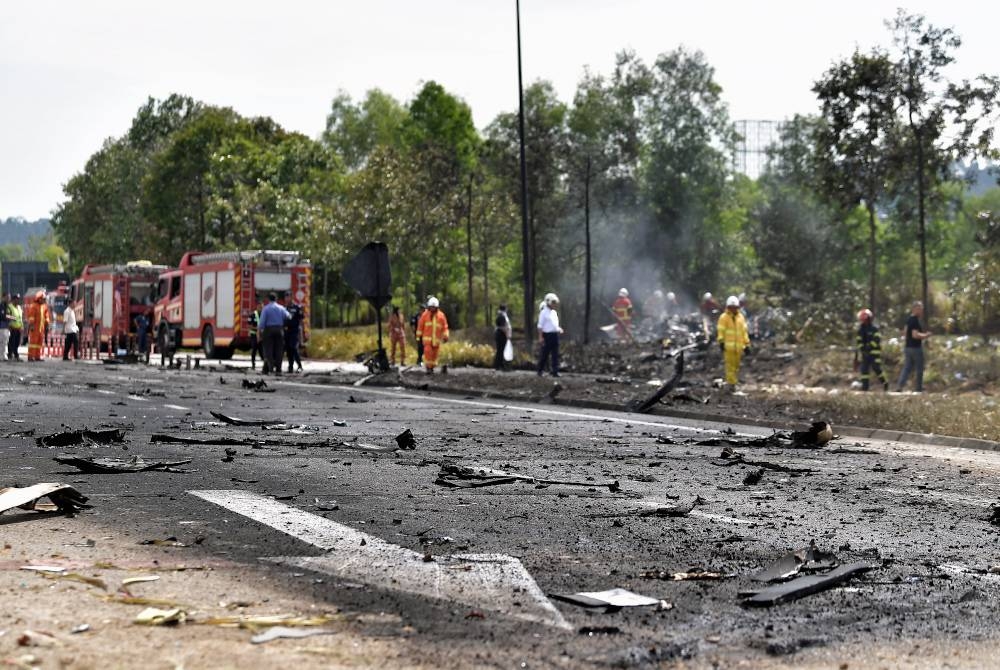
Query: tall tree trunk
[326, 292]
[922, 226]
[470, 315]
[486, 282]
[586, 226]
[527, 259]
[872, 254]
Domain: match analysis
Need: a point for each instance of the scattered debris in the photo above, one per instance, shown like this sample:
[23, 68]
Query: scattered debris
[74, 437]
[279, 632]
[152, 616]
[230, 453]
[118, 465]
[793, 646]
[730, 456]
[805, 586]
[753, 477]
[695, 574]
[139, 580]
[678, 509]
[459, 476]
[405, 440]
[37, 638]
[66, 498]
[234, 421]
[260, 386]
[612, 598]
[82, 628]
[591, 631]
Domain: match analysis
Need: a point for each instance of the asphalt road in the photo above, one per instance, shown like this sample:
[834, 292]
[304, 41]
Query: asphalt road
[337, 514]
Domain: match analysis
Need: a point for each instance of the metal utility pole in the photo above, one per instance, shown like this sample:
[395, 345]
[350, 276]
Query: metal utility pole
[526, 260]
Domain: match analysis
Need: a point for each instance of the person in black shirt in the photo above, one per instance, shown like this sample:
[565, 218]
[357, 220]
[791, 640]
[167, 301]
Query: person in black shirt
[869, 349]
[420, 344]
[293, 332]
[913, 354]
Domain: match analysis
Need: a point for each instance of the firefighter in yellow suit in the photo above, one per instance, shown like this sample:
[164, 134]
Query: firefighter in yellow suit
[432, 330]
[38, 320]
[734, 340]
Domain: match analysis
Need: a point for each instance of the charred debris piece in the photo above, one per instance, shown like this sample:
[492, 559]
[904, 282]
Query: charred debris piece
[459, 476]
[71, 438]
[234, 421]
[259, 386]
[120, 466]
[805, 586]
[644, 406]
[730, 456]
[809, 559]
[679, 509]
[64, 498]
[406, 441]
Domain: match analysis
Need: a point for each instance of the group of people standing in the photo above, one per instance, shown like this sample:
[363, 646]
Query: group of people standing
[276, 332]
[15, 320]
[868, 350]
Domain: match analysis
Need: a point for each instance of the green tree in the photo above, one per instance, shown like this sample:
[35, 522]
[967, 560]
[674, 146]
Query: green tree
[854, 142]
[355, 130]
[947, 121]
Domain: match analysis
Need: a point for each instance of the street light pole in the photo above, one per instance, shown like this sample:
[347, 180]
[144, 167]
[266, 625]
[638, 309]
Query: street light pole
[526, 260]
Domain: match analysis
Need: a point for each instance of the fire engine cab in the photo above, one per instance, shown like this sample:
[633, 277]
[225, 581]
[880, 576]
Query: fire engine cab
[107, 298]
[207, 301]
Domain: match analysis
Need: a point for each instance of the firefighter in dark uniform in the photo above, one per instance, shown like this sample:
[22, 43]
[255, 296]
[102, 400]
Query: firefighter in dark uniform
[253, 320]
[293, 332]
[869, 350]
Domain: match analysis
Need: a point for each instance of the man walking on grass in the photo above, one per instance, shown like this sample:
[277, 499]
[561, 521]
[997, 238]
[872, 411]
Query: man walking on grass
[913, 354]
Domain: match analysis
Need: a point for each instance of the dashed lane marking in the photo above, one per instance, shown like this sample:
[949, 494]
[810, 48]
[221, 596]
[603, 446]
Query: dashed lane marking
[495, 582]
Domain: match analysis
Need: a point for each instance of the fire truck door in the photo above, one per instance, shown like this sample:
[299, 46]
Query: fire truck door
[226, 301]
[107, 302]
[192, 301]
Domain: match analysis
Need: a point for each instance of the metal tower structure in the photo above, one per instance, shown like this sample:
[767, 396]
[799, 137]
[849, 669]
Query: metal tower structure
[756, 136]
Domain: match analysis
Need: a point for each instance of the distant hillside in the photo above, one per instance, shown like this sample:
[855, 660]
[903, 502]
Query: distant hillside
[16, 230]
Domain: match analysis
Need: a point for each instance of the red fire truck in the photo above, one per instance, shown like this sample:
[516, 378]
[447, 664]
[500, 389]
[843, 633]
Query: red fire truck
[107, 298]
[207, 301]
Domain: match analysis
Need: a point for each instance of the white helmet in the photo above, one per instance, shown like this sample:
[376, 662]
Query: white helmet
[671, 296]
[707, 296]
[432, 302]
[657, 293]
[551, 298]
[732, 301]
[623, 292]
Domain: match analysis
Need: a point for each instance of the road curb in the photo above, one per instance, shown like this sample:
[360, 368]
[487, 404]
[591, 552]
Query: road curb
[887, 435]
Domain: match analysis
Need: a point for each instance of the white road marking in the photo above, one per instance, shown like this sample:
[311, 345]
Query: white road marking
[494, 582]
[180, 407]
[105, 391]
[537, 410]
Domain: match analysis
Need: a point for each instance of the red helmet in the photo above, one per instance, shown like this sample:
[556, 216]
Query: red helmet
[865, 315]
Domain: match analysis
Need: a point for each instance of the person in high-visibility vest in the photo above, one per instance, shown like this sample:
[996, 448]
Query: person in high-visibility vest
[15, 321]
[734, 340]
[622, 308]
[38, 321]
[432, 330]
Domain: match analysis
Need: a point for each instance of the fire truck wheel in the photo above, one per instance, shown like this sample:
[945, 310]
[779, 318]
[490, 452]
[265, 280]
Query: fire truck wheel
[208, 342]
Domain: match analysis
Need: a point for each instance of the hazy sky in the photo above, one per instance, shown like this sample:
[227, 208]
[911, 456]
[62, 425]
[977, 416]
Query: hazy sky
[73, 72]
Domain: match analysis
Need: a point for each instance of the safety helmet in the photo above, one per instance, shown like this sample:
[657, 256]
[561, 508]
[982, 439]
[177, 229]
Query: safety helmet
[623, 292]
[671, 296]
[742, 297]
[864, 315]
[432, 302]
[707, 296]
[40, 296]
[551, 298]
[657, 293]
[732, 301]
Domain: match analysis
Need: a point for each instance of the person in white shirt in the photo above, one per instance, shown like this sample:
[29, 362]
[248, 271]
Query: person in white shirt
[72, 332]
[548, 334]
